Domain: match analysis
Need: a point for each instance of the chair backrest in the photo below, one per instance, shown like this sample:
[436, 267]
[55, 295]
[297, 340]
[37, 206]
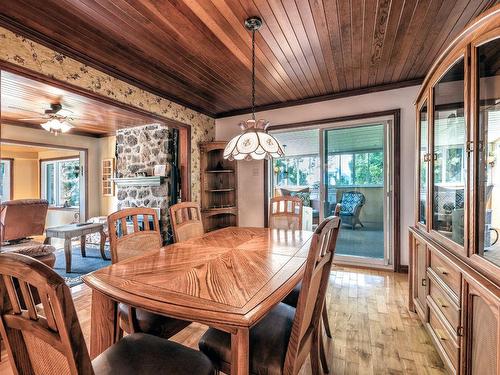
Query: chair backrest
[22, 218]
[352, 200]
[285, 212]
[186, 221]
[312, 294]
[129, 236]
[39, 341]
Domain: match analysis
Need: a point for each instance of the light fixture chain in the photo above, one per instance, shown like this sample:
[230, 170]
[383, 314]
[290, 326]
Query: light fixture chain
[253, 74]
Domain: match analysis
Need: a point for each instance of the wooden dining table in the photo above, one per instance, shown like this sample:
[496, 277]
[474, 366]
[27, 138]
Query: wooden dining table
[227, 279]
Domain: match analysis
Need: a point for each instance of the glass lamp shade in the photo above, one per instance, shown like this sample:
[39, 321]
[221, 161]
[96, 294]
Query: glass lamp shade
[56, 126]
[254, 143]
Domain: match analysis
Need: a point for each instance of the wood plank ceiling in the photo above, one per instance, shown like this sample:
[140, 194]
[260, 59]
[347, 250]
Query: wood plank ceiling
[197, 52]
[23, 98]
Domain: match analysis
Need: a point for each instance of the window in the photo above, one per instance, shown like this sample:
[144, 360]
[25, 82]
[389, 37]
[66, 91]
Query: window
[5, 179]
[60, 182]
[298, 171]
[356, 169]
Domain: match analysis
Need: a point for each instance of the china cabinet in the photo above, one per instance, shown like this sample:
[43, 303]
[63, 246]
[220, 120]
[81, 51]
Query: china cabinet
[454, 244]
[219, 196]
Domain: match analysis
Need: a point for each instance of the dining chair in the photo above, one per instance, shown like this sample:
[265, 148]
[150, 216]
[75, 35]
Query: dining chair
[186, 221]
[285, 212]
[281, 341]
[47, 338]
[129, 236]
[293, 297]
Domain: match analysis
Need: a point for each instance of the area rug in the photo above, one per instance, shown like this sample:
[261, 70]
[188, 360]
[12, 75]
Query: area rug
[80, 266]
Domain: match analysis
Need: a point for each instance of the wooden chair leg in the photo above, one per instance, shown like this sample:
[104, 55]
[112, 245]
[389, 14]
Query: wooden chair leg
[322, 356]
[326, 323]
[314, 354]
[118, 329]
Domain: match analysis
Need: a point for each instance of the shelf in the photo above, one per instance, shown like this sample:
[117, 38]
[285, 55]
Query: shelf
[219, 190]
[139, 181]
[220, 171]
[215, 209]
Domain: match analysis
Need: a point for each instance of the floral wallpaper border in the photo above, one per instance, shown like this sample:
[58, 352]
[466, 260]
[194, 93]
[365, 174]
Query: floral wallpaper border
[24, 52]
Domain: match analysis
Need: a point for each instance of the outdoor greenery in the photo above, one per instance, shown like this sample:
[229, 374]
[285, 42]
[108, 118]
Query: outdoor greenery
[364, 168]
[70, 173]
[62, 182]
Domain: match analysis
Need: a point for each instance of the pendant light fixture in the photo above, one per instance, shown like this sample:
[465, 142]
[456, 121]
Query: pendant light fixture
[253, 143]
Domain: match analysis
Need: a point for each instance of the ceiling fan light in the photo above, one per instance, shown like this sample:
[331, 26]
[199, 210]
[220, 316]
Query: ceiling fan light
[46, 126]
[56, 126]
[66, 126]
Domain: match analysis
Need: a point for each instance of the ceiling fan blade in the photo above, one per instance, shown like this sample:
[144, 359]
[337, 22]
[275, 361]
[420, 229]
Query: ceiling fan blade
[23, 109]
[31, 118]
[65, 112]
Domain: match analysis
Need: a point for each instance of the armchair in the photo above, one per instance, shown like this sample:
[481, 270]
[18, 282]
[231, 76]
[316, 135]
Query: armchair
[21, 219]
[351, 204]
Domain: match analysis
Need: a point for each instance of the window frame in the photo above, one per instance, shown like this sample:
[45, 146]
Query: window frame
[43, 187]
[10, 161]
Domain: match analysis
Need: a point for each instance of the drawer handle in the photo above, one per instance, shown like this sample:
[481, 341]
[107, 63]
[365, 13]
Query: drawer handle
[438, 334]
[442, 303]
[442, 271]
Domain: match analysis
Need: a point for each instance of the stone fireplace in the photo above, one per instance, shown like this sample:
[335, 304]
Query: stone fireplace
[138, 151]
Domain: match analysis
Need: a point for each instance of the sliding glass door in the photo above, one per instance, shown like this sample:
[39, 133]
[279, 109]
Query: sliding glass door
[355, 176]
[350, 164]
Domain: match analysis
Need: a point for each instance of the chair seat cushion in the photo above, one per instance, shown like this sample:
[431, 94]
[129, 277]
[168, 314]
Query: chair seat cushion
[293, 297]
[29, 247]
[153, 324]
[268, 343]
[141, 354]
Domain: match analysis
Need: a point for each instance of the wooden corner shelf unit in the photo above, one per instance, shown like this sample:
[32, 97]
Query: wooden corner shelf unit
[454, 246]
[219, 180]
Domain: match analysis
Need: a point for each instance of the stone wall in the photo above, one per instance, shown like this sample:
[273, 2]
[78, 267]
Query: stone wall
[138, 150]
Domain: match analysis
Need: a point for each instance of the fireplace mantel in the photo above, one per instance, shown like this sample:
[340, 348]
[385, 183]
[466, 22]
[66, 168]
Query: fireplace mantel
[139, 181]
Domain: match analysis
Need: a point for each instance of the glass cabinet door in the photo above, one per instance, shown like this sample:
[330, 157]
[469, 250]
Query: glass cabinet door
[488, 110]
[449, 155]
[424, 131]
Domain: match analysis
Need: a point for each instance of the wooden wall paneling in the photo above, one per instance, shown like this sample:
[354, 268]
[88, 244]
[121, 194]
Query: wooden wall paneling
[393, 19]
[403, 37]
[370, 11]
[199, 54]
[455, 23]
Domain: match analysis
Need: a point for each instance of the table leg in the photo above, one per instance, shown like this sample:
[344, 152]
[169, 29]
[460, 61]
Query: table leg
[103, 243]
[240, 352]
[82, 246]
[67, 254]
[103, 323]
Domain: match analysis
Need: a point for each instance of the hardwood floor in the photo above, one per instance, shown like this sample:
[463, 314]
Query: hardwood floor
[373, 331]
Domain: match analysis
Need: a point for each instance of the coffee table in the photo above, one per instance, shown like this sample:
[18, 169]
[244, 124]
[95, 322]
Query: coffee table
[67, 232]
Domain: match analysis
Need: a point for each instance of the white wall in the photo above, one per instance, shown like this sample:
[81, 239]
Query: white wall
[251, 174]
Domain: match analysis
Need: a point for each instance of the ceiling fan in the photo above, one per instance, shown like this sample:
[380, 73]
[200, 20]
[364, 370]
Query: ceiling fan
[55, 120]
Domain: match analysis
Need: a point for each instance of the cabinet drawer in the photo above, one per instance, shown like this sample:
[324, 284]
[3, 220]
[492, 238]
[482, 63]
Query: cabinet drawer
[444, 303]
[446, 272]
[447, 344]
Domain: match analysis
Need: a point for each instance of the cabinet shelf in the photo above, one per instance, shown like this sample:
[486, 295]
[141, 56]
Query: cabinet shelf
[219, 179]
[218, 208]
